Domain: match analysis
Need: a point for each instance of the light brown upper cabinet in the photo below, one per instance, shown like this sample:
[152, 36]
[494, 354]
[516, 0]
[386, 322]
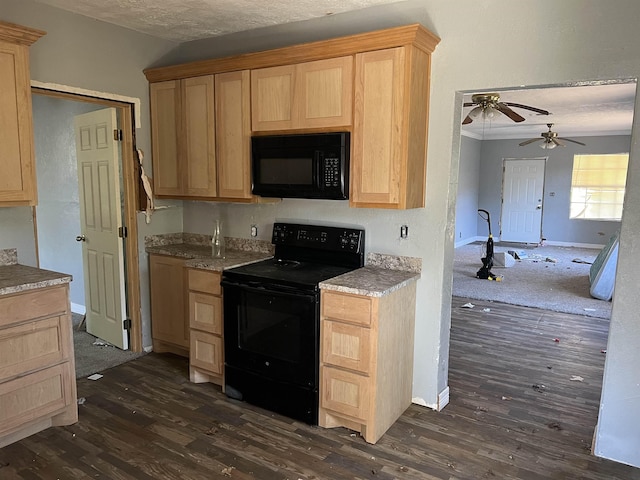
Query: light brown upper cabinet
[374, 85]
[183, 137]
[305, 95]
[17, 165]
[233, 134]
[389, 139]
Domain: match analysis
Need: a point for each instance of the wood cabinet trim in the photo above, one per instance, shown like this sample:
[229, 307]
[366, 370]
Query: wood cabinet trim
[13, 33]
[414, 34]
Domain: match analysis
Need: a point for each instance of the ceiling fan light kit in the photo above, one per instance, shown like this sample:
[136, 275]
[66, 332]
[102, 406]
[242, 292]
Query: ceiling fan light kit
[550, 140]
[488, 106]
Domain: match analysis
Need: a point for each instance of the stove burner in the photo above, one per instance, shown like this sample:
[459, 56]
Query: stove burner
[280, 262]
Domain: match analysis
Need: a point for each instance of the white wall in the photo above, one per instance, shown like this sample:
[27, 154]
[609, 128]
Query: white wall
[86, 54]
[556, 225]
[58, 210]
[468, 189]
[16, 231]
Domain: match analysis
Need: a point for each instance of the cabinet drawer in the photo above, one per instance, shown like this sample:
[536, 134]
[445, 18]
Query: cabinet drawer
[346, 345]
[205, 312]
[42, 302]
[345, 392]
[35, 396]
[206, 351]
[204, 281]
[350, 308]
[35, 345]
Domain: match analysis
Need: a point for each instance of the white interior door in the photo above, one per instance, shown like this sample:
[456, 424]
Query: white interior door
[100, 219]
[522, 195]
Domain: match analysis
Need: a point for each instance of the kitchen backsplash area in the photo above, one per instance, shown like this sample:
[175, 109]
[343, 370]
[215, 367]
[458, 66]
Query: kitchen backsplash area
[8, 256]
[231, 243]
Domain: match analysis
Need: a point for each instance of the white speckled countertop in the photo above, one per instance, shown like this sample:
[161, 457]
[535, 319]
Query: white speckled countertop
[198, 251]
[16, 278]
[370, 281]
[382, 275]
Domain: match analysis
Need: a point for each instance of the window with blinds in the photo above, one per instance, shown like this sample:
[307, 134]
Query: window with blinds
[597, 186]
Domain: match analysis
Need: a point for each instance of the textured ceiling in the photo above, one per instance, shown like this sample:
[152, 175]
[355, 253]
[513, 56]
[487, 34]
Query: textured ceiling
[597, 109]
[185, 20]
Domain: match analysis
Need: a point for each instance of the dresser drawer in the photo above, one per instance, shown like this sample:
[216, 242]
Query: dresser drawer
[42, 302]
[350, 308]
[206, 352]
[34, 345]
[35, 396]
[345, 345]
[205, 312]
[345, 392]
[205, 281]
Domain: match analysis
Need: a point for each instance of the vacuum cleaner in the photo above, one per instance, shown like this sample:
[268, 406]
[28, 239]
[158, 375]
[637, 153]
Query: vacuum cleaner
[487, 261]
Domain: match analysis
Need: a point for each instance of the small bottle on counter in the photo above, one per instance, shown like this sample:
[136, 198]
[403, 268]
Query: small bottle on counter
[217, 241]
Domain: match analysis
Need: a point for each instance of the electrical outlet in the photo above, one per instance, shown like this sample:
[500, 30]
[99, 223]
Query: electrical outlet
[254, 231]
[404, 231]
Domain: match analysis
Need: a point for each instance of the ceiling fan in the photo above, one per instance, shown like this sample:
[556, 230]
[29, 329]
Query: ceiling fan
[488, 105]
[551, 139]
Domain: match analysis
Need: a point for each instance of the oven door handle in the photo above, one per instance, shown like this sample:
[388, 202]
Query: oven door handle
[270, 288]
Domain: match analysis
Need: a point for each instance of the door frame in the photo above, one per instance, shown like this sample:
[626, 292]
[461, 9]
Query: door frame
[125, 112]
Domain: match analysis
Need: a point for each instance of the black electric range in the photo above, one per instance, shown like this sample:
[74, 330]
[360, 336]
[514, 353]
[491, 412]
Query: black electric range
[272, 317]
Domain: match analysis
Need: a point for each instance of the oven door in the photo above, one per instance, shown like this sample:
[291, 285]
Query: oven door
[272, 331]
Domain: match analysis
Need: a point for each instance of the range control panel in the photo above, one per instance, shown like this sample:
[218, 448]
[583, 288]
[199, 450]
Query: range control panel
[338, 239]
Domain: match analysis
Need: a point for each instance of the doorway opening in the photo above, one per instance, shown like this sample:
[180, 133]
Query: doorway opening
[480, 168]
[57, 217]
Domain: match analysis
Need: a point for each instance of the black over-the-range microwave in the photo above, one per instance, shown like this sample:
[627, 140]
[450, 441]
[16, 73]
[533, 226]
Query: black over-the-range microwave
[301, 166]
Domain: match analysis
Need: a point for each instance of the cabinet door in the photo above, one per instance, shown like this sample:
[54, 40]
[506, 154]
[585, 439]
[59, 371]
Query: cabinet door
[17, 166]
[345, 392]
[36, 396]
[272, 98]
[206, 352]
[377, 146]
[205, 312]
[168, 313]
[233, 131]
[165, 108]
[346, 346]
[198, 137]
[324, 92]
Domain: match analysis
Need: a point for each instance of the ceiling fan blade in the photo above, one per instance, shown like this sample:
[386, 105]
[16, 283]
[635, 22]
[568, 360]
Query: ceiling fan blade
[467, 120]
[560, 144]
[527, 142]
[573, 141]
[509, 113]
[527, 107]
[468, 104]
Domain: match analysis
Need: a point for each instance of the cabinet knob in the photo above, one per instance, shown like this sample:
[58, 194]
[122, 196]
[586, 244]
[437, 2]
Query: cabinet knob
[81, 238]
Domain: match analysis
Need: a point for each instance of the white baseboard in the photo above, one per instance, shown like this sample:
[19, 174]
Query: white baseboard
[79, 309]
[551, 243]
[443, 399]
[467, 241]
[573, 244]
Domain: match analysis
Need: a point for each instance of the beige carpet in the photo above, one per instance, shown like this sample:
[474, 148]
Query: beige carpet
[551, 278]
[93, 355]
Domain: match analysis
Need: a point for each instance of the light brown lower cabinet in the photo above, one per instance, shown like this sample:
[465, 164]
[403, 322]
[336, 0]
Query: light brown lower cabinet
[206, 352]
[169, 324]
[366, 360]
[37, 367]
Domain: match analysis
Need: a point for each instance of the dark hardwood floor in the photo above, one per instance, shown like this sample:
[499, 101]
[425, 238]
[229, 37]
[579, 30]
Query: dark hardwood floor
[515, 413]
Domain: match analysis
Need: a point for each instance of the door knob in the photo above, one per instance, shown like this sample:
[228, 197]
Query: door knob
[81, 238]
